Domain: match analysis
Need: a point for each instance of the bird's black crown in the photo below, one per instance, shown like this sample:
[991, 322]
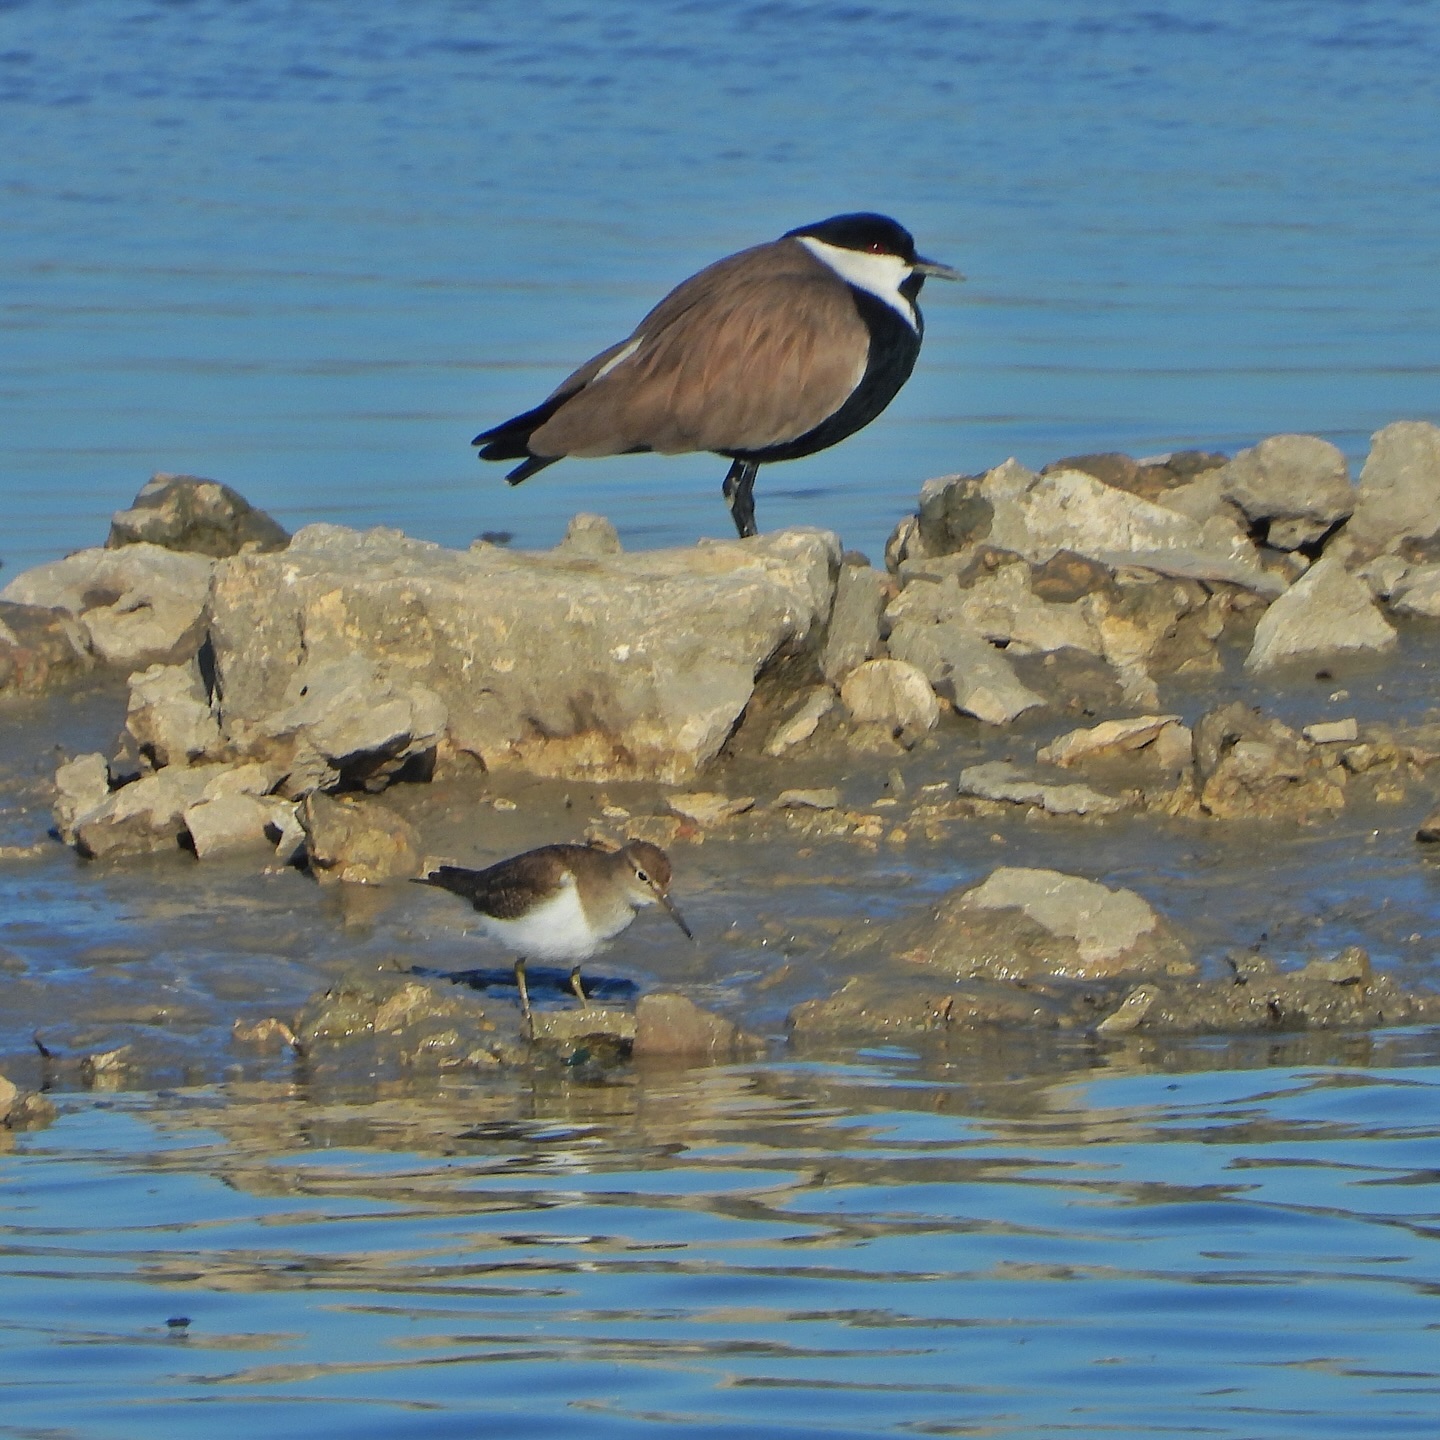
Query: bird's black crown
[863, 231]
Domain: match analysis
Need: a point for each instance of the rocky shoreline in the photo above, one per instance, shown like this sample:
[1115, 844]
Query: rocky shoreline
[279, 686]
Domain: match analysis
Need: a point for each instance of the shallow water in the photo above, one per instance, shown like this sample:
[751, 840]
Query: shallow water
[800, 1250]
[311, 251]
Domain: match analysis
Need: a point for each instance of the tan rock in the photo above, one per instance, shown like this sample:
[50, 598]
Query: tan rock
[891, 693]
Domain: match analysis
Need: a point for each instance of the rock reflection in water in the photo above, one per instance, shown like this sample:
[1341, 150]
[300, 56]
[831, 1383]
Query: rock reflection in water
[988, 1241]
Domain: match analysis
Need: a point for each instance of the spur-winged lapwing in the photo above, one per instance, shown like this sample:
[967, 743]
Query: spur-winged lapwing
[562, 902]
[771, 354]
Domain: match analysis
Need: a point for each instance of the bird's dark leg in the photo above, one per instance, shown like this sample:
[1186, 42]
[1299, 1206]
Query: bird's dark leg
[521, 986]
[739, 493]
[578, 986]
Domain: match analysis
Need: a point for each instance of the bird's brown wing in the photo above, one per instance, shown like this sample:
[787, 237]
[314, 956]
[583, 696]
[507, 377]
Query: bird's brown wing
[753, 351]
[509, 889]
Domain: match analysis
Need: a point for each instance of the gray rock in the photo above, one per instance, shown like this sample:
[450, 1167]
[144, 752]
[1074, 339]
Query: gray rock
[892, 693]
[344, 719]
[1000, 780]
[185, 512]
[137, 606]
[168, 715]
[1023, 924]
[39, 648]
[1000, 607]
[824, 798]
[82, 785]
[966, 669]
[1250, 766]
[632, 666]
[1399, 491]
[1298, 485]
[1418, 593]
[362, 842]
[145, 816]
[1132, 1011]
[1326, 611]
[590, 535]
[234, 822]
[853, 635]
[802, 722]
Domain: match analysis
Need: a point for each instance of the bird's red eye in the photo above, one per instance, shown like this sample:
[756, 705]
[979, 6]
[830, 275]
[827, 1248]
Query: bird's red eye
[875, 248]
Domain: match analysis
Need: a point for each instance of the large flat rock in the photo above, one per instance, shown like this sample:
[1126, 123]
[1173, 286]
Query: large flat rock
[613, 666]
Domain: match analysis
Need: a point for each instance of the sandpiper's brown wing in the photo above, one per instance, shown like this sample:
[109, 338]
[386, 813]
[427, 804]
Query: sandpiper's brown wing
[755, 350]
[511, 887]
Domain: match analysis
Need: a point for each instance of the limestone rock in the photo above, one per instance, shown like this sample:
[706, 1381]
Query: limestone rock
[966, 669]
[144, 816]
[1399, 492]
[1000, 780]
[1418, 593]
[890, 693]
[1116, 737]
[1332, 732]
[1250, 766]
[629, 666]
[1038, 515]
[673, 1027]
[231, 822]
[82, 785]
[853, 635]
[706, 808]
[1298, 486]
[137, 606]
[347, 720]
[1326, 611]
[168, 715]
[362, 842]
[824, 798]
[39, 647]
[802, 722]
[1022, 923]
[185, 512]
[589, 535]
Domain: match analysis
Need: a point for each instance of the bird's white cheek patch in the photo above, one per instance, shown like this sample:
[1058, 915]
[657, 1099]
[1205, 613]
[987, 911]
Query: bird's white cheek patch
[881, 275]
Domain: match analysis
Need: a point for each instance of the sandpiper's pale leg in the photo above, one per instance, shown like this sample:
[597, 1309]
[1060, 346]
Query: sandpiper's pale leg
[521, 986]
[577, 985]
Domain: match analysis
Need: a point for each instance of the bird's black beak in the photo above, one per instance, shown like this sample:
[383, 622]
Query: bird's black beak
[921, 266]
[674, 913]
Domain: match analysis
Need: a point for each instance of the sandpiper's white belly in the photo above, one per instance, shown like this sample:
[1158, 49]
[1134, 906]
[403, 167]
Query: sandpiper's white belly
[554, 929]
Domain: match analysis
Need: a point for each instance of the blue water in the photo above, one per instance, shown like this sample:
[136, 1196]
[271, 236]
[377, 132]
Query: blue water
[310, 249]
[800, 1252]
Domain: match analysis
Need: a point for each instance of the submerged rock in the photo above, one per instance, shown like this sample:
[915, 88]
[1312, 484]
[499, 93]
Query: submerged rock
[1000, 780]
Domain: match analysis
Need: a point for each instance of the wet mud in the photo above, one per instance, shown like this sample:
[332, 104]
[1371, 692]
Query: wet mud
[161, 970]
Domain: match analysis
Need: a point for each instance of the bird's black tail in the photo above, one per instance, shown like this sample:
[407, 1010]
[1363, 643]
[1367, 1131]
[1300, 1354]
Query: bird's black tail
[511, 440]
[454, 878]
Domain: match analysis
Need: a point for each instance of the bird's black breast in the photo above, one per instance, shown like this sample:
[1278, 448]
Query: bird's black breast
[894, 348]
